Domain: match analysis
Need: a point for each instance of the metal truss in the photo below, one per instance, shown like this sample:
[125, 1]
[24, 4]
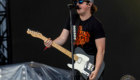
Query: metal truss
[5, 53]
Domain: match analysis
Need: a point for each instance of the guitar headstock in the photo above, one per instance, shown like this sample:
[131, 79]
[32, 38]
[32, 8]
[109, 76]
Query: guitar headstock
[34, 33]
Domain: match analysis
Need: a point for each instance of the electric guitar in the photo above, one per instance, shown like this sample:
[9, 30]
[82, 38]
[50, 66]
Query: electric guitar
[84, 63]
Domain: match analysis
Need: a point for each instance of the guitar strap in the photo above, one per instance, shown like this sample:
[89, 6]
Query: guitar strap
[77, 26]
[75, 30]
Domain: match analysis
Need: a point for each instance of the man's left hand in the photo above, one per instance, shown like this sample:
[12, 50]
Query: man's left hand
[93, 75]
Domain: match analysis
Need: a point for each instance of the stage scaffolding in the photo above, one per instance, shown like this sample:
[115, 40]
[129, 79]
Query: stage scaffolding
[5, 39]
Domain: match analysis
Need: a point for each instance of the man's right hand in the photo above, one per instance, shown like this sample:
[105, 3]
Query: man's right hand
[48, 43]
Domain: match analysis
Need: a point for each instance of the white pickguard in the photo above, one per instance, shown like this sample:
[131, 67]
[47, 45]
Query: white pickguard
[80, 66]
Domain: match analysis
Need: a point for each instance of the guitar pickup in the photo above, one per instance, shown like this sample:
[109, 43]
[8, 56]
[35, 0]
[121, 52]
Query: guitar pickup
[79, 60]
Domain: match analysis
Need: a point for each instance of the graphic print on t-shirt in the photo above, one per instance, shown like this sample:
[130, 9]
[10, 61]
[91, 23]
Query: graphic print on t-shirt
[82, 37]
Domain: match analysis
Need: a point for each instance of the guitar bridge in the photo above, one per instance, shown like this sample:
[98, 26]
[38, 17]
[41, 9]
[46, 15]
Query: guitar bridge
[90, 67]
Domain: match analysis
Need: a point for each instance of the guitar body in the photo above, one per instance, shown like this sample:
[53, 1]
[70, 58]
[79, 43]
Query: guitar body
[85, 64]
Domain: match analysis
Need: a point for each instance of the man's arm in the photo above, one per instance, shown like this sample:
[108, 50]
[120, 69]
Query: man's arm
[100, 44]
[59, 40]
[62, 38]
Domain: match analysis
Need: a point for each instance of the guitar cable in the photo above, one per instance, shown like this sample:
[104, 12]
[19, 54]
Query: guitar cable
[45, 48]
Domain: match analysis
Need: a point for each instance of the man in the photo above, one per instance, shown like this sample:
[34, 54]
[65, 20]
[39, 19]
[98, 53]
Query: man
[90, 36]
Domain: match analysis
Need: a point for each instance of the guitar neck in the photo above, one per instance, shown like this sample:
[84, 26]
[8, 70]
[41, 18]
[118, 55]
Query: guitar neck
[60, 48]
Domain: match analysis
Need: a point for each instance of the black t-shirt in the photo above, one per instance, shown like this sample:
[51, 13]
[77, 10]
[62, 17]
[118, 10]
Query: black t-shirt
[88, 31]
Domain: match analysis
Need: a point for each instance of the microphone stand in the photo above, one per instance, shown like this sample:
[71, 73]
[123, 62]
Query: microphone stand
[71, 28]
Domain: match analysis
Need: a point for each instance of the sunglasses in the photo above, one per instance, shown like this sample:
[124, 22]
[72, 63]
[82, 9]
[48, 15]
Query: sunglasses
[80, 1]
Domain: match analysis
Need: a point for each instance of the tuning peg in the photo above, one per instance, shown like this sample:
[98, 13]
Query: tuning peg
[28, 29]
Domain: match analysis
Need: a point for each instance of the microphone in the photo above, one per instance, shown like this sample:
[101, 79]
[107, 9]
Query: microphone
[73, 6]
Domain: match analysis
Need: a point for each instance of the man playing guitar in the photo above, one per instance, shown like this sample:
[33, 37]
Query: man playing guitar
[90, 35]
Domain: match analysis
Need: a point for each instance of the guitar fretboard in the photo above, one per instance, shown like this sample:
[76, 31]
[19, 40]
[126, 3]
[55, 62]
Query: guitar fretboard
[60, 48]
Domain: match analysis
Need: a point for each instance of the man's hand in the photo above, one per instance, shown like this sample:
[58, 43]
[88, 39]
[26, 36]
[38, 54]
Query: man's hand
[93, 75]
[48, 43]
